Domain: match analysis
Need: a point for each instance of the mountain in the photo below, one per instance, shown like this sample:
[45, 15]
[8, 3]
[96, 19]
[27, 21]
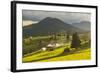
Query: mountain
[48, 26]
[84, 25]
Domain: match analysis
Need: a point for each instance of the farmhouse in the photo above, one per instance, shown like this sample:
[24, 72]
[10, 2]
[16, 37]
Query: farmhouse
[51, 47]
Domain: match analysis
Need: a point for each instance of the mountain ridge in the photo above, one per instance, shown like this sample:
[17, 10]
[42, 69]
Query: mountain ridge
[48, 26]
[84, 25]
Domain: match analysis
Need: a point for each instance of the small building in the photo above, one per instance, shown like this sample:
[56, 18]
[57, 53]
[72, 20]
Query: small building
[51, 47]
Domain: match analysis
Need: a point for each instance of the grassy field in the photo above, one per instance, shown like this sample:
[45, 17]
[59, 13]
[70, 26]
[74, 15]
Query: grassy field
[56, 55]
[81, 55]
[41, 55]
[32, 51]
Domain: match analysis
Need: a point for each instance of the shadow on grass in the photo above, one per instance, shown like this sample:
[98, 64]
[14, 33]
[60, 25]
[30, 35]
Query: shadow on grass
[32, 53]
[65, 52]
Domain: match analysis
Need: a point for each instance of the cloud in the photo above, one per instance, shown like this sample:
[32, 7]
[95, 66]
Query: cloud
[68, 17]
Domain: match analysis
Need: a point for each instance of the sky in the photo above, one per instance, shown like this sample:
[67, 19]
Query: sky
[68, 17]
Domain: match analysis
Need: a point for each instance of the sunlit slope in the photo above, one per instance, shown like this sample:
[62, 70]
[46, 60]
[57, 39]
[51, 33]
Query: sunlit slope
[56, 55]
[81, 55]
[43, 55]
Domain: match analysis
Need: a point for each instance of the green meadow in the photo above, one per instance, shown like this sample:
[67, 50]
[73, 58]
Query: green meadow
[56, 48]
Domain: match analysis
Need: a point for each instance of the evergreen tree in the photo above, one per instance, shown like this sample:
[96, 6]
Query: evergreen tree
[67, 37]
[55, 39]
[75, 41]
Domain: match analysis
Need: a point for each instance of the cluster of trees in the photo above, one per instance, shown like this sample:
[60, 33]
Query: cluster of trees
[60, 37]
[30, 44]
[33, 45]
[75, 40]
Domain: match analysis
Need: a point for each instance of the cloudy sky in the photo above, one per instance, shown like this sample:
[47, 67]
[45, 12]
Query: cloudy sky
[68, 17]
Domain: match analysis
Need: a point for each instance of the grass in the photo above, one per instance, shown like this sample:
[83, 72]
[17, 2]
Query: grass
[42, 55]
[81, 55]
[49, 56]
[34, 44]
[33, 53]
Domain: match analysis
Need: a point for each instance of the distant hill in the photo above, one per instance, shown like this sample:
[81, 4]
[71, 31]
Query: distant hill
[48, 26]
[84, 25]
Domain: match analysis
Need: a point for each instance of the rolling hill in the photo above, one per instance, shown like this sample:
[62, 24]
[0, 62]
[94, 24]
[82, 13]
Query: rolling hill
[48, 26]
[84, 25]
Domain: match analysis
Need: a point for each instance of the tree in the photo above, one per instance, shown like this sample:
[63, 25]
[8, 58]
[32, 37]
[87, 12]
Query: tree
[55, 39]
[75, 41]
[67, 37]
